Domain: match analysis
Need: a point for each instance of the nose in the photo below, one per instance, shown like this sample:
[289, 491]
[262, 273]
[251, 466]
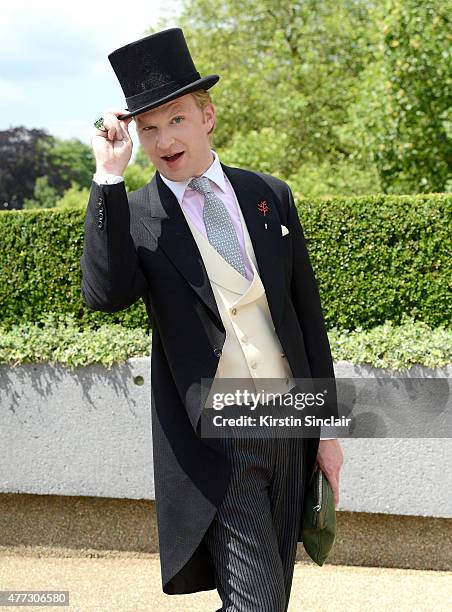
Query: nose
[164, 141]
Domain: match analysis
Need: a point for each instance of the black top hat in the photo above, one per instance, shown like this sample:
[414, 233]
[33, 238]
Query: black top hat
[155, 70]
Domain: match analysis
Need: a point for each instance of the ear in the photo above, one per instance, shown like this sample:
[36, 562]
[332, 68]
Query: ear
[210, 116]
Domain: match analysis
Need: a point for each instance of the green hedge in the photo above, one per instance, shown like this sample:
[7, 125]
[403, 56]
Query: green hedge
[375, 258]
[379, 257]
[40, 270]
[58, 339]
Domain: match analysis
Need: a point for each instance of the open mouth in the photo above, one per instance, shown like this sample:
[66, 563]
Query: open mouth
[172, 158]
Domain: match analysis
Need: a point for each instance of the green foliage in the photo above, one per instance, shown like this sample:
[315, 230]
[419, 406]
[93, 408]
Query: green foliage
[268, 150]
[135, 176]
[37, 168]
[263, 149]
[40, 255]
[402, 115]
[326, 179]
[394, 347]
[74, 197]
[44, 196]
[142, 160]
[59, 339]
[375, 258]
[289, 72]
[353, 96]
[22, 162]
[68, 161]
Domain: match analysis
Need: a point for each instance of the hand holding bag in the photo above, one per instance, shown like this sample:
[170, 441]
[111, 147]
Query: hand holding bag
[319, 518]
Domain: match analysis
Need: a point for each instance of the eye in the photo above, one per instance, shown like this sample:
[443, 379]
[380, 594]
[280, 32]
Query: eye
[179, 117]
[147, 127]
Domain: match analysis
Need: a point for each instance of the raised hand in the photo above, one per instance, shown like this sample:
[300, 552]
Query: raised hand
[113, 147]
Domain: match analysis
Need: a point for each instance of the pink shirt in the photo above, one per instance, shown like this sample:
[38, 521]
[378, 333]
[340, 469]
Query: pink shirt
[192, 202]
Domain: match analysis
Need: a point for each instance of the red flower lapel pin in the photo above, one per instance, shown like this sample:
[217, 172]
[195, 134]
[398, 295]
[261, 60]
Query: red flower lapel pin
[263, 208]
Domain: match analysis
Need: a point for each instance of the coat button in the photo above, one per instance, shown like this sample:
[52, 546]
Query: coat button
[233, 311]
[100, 216]
[217, 352]
[100, 224]
[100, 201]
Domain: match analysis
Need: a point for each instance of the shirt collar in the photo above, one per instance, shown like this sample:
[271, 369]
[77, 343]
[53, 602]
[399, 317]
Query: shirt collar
[214, 173]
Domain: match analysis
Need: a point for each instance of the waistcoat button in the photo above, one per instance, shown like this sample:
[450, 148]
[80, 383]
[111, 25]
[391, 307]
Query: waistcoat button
[217, 352]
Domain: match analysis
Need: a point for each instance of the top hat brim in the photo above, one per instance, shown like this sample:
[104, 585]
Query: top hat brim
[203, 83]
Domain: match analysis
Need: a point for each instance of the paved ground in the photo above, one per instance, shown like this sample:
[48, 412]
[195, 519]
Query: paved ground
[130, 584]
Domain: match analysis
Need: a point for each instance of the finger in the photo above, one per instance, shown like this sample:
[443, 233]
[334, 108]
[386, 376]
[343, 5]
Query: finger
[335, 488]
[111, 121]
[112, 125]
[121, 131]
[114, 113]
[96, 132]
[124, 124]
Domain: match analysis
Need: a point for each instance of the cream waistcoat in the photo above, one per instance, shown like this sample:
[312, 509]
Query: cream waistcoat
[252, 350]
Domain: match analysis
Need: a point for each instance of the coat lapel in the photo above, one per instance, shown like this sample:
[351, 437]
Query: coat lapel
[167, 224]
[170, 229]
[267, 242]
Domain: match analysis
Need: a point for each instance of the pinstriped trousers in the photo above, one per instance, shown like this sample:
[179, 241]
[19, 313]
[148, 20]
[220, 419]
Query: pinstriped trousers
[253, 536]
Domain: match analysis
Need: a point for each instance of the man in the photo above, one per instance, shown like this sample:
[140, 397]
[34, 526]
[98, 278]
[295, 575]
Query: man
[228, 296]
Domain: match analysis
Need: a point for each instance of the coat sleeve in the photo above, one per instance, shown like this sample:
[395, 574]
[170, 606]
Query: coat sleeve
[111, 275]
[306, 301]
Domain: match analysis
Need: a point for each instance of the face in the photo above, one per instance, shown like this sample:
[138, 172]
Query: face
[177, 126]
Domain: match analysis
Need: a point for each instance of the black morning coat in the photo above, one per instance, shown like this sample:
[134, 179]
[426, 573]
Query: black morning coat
[140, 245]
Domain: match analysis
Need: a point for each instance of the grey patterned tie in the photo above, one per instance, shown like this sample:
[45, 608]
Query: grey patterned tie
[220, 229]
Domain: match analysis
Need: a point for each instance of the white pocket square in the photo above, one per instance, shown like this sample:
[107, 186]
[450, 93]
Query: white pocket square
[284, 230]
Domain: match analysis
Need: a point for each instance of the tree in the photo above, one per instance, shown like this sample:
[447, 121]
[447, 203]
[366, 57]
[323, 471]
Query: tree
[69, 161]
[360, 87]
[291, 67]
[44, 195]
[74, 197]
[22, 162]
[402, 116]
[28, 155]
[142, 160]
[135, 176]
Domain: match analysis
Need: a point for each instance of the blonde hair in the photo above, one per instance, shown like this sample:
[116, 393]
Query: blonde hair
[202, 99]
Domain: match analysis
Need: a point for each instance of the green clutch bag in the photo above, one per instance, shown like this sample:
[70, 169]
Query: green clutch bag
[319, 518]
